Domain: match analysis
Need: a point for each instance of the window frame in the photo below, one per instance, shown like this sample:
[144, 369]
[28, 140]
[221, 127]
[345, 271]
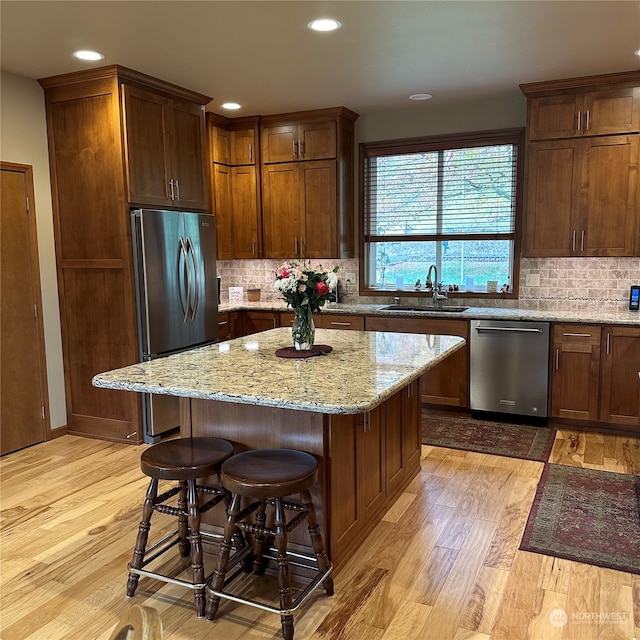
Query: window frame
[463, 140]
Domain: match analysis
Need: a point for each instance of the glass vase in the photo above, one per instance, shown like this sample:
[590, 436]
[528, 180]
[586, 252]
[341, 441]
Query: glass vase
[303, 331]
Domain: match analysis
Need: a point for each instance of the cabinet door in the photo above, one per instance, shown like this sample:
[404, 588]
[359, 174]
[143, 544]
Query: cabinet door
[256, 321]
[188, 155]
[243, 144]
[279, 143]
[609, 196]
[394, 446]
[281, 211]
[318, 202]
[575, 376]
[146, 143]
[219, 145]
[620, 401]
[221, 190]
[552, 200]
[411, 427]
[553, 117]
[317, 141]
[244, 197]
[224, 326]
[371, 462]
[612, 111]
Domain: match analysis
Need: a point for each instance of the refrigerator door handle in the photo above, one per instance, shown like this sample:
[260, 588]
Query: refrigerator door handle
[184, 274]
[196, 288]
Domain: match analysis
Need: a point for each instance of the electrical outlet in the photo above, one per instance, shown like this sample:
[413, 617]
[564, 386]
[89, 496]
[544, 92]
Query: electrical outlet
[532, 280]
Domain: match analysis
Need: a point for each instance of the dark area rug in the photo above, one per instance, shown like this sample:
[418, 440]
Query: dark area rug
[487, 436]
[587, 516]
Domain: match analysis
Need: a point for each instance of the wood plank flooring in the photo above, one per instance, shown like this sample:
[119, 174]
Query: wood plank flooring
[443, 564]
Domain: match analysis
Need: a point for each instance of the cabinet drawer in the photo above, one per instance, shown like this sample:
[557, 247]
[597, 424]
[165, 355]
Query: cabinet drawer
[576, 334]
[339, 321]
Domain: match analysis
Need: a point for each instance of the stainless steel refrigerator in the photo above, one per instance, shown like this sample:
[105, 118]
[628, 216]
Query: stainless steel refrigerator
[176, 296]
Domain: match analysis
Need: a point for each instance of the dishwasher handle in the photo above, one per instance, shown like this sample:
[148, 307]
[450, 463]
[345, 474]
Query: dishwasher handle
[509, 329]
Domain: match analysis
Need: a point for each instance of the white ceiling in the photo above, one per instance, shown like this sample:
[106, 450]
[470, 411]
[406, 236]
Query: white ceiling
[262, 55]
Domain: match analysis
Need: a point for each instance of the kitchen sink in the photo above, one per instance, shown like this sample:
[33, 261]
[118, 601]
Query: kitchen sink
[401, 307]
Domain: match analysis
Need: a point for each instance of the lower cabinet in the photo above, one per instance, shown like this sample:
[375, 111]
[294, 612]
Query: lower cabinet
[595, 374]
[447, 383]
[620, 376]
[575, 374]
[255, 321]
[373, 457]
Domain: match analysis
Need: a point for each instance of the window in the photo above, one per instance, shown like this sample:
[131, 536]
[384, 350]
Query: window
[451, 201]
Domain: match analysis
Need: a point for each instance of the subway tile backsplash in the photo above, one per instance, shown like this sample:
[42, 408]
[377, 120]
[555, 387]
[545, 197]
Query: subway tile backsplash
[568, 284]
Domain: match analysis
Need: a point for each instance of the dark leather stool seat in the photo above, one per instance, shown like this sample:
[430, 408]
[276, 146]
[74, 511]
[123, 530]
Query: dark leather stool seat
[267, 476]
[182, 460]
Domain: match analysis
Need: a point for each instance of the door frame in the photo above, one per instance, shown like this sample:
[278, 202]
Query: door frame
[36, 288]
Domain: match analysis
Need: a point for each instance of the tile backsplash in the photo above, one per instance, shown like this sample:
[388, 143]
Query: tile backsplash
[568, 284]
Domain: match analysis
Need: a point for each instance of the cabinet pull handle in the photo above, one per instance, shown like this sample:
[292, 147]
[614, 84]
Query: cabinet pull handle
[557, 359]
[171, 195]
[577, 335]
[295, 148]
[588, 118]
[250, 152]
[274, 322]
[253, 246]
[579, 121]
[608, 343]
[177, 183]
[221, 324]
[301, 147]
[295, 250]
[582, 241]
[340, 324]
[573, 242]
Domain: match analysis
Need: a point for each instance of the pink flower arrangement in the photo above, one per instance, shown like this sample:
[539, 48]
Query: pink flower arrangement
[304, 286]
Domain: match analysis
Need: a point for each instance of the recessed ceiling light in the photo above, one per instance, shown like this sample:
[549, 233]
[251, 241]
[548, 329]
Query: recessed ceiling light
[88, 55]
[231, 105]
[324, 24]
[421, 96]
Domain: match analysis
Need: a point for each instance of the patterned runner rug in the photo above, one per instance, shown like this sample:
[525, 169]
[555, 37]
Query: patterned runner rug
[587, 516]
[454, 431]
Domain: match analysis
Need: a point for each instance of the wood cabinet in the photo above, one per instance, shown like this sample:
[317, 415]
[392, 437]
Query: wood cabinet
[583, 152]
[307, 184]
[620, 382]
[295, 142]
[235, 188]
[300, 210]
[326, 320]
[166, 150]
[256, 321]
[373, 456]
[224, 327]
[582, 197]
[447, 383]
[106, 147]
[575, 372]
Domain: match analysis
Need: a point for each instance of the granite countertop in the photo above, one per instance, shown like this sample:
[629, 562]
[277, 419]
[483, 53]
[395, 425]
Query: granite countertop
[472, 313]
[363, 370]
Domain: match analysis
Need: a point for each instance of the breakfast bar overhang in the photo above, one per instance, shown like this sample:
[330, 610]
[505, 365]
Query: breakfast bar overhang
[356, 409]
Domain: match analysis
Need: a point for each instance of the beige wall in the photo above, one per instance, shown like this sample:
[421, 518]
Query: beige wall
[23, 137]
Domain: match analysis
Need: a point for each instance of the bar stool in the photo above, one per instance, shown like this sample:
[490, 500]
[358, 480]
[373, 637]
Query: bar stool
[183, 460]
[267, 476]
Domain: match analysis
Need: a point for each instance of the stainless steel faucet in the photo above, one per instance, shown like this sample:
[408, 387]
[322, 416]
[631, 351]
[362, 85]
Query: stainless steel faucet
[437, 294]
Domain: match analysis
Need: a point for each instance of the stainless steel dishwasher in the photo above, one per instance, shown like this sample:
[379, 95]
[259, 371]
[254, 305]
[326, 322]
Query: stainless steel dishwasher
[509, 367]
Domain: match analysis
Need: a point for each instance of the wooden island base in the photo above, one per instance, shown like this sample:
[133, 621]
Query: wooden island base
[365, 460]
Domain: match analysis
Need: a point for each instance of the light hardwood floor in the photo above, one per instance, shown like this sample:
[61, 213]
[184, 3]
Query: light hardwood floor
[443, 565]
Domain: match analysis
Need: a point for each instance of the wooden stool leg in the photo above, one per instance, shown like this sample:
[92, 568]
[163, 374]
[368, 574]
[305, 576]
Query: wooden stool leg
[143, 536]
[258, 543]
[197, 563]
[316, 540]
[217, 582]
[183, 522]
[284, 577]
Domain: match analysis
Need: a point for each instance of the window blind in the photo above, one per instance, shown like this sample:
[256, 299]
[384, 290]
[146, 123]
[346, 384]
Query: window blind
[459, 192]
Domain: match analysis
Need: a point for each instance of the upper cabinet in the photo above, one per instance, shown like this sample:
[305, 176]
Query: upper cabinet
[582, 160]
[166, 150]
[307, 184]
[295, 142]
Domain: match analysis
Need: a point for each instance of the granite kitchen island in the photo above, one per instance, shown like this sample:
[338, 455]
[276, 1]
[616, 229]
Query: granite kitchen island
[356, 409]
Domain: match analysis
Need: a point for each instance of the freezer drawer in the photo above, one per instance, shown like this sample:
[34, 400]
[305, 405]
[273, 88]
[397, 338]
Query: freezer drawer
[509, 367]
